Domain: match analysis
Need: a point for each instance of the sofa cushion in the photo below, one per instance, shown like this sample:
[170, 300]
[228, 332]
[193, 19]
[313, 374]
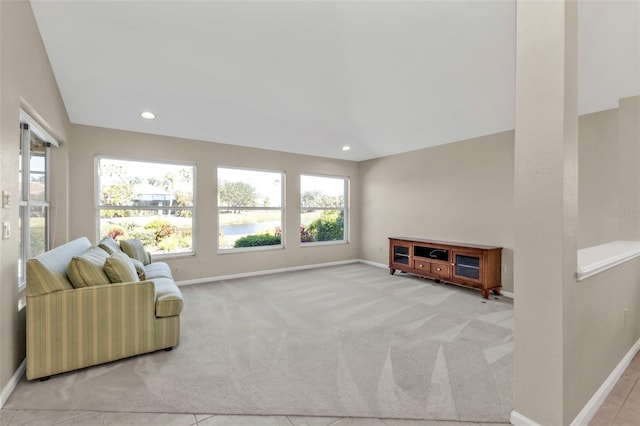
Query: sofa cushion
[135, 250]
[41, 279]
[109, 245]
[120, 269]
[47, 272]
[140, 269]
[158, 270]
[169, 300]
[87, 269]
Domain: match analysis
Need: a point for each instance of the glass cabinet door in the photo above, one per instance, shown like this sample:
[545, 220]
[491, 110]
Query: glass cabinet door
[467, 266]
[401, 255]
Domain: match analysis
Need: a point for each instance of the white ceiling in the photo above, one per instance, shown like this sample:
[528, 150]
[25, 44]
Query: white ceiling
[309, 77]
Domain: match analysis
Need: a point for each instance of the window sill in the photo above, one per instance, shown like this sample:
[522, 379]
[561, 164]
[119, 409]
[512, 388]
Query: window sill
[22, 296]
[324, 243]
[250, 249]
[596, 259]
[168, 256]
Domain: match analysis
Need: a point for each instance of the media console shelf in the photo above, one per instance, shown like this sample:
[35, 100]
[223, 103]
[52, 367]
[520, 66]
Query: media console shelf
[470, 265]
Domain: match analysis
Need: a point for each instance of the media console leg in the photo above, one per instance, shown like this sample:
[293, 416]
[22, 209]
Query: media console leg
[392, 271]
[496, 291]
[485, 293]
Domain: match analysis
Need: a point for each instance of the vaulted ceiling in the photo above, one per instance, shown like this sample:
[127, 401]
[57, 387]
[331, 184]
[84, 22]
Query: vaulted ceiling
[310, 77]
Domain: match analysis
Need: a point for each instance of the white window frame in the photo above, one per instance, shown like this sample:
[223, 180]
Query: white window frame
[24, 202]
[281, 209]
[97, 197]
[345, 208]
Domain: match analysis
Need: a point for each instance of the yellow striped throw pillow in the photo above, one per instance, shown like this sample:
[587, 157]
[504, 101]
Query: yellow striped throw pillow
[109, 245]
[120, 269]
[135, 250]
[87, 270]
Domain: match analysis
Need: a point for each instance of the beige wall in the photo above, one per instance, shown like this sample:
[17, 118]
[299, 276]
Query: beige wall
[91, 141]
[26, 80]
[456, 192]
[628, 170]
[598, 333]
[609, 189]
[598, 178]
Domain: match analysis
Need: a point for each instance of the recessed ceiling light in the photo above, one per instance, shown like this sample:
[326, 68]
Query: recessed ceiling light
[346, 148]
[148, 115]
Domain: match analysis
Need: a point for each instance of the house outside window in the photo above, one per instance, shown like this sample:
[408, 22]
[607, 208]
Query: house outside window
[323, 214]
[149, 201]
[250, 209]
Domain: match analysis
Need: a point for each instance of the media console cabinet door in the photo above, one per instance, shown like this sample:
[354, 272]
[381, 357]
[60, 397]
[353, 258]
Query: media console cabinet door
[467, 266]
[400, 256]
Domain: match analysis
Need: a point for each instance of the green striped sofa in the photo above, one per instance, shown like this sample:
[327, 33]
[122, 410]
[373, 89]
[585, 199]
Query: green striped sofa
[70, 328]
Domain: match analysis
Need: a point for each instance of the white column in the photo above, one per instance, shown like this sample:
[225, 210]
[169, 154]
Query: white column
[545, 203]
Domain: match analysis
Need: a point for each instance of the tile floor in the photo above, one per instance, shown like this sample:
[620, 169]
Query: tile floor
[90, 418]
[622, 406]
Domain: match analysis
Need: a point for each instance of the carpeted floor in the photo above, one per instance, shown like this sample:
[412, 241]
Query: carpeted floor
[341, 341]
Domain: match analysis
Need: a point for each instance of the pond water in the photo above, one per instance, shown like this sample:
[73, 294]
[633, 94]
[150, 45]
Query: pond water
[249, 228]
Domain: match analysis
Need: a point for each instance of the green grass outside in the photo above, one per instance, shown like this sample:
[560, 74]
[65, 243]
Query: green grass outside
[37, 231]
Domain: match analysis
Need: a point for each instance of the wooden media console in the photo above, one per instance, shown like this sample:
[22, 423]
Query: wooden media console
[470, 265]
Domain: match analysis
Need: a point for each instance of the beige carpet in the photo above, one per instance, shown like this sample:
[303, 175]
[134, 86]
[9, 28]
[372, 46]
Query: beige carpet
[341, 341]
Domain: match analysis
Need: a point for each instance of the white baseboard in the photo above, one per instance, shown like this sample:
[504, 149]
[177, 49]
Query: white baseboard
[589, 410]
[506, 294]
[322, 265]
[518, 419]
[8, 389]
[294, 268]
[376, 264]
[265, 272]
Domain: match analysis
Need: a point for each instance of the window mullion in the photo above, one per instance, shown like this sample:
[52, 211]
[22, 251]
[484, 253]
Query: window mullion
[25, 145]
[248, 208]
[108, 207]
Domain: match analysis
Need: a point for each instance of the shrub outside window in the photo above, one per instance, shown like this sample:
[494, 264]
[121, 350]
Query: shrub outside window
[250, 209]
[323, 213]
[149, 201]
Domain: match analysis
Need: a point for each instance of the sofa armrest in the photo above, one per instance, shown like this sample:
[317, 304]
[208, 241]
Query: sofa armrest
[72, 329]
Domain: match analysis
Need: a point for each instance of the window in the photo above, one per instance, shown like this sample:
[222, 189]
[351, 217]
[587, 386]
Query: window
[33, 178]
[149, 201]
[323, 209]
[249, 209]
